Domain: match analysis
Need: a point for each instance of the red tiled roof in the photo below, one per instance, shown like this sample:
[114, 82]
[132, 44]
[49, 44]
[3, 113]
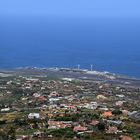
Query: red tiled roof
[126, 138]
[112, 130]
[80, 128]
[107, 114]
[58, 124]
[94, 122]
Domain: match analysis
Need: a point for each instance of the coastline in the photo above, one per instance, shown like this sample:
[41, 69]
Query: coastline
[80, 74]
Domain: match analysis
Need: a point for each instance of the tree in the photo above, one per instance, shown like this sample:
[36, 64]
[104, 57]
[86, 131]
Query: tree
[3, 136]
[101, 126]
[12, 134]
[117, 112]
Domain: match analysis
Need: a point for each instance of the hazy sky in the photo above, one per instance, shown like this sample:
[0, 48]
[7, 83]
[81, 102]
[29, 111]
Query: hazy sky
[81, 8]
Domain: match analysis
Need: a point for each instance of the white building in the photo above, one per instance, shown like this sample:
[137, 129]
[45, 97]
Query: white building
[34, 116]
[5, 109]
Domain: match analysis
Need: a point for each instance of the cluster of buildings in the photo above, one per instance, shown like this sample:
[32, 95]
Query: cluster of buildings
[41, 107]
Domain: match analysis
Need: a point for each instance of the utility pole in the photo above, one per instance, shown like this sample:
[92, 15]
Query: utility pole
[78, 66]
[91, 67]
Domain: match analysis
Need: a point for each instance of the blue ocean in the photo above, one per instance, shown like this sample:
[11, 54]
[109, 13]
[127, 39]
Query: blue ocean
[109, 44]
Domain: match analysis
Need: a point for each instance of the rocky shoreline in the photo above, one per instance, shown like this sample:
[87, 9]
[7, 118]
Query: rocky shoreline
[93, 76]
